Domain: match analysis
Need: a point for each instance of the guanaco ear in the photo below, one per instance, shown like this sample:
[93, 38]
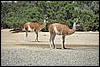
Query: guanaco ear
[77, 20]
[78, 23]
[46, 19]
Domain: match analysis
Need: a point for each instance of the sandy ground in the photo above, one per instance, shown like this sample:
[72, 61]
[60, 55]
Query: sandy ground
[82, 49]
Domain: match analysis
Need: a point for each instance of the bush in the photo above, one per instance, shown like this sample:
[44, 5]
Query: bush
[64, 12]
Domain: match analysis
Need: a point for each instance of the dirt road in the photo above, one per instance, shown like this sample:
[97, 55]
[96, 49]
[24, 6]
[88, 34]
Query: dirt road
[82, 49]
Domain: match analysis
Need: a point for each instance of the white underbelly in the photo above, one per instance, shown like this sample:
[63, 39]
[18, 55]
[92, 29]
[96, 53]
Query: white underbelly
[29, 28]
[56, 31]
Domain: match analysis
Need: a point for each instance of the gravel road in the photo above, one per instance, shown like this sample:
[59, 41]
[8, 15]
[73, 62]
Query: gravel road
[82, 49]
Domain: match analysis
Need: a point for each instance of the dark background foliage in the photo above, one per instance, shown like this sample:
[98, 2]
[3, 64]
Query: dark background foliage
[15, 14]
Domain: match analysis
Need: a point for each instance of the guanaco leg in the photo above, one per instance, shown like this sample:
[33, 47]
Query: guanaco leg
[52, 37]
[36, 36]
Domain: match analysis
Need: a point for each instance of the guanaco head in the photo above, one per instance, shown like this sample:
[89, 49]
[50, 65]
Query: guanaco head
[77, 23]
[46, 20]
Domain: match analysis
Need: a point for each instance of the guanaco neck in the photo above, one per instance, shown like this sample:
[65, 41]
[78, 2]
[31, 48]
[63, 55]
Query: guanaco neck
[71, 31]
[43, 25]
[74, 26]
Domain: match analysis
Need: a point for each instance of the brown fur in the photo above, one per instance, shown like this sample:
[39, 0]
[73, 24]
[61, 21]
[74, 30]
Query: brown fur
[65, 30]
[35, 27]
[61, 27]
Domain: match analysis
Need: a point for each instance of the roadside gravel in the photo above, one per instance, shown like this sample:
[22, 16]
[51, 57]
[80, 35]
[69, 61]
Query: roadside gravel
[82, 49]
[46, 57]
